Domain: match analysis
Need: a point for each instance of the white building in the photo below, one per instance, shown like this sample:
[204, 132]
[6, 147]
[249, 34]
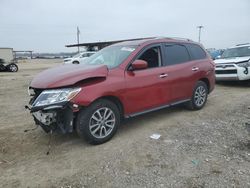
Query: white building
[6, 54]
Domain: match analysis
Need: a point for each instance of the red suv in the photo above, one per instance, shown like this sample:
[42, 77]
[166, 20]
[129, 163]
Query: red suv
[121, 81]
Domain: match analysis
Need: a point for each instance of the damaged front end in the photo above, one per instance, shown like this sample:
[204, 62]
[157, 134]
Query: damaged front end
[52, 109]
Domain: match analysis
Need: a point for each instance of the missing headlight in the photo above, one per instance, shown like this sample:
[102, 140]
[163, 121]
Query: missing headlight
[31, 91]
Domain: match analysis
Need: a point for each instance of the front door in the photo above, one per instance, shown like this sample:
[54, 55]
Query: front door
[146, 89]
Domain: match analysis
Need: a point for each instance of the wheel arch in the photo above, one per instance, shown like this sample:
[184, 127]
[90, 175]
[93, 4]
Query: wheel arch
[75, 62]
[206, 81]
[115, 100]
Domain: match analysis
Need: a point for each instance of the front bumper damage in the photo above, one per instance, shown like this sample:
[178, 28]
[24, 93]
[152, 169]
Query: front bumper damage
[58, 117]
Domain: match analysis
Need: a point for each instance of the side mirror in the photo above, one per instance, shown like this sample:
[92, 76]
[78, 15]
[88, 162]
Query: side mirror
[139, 64]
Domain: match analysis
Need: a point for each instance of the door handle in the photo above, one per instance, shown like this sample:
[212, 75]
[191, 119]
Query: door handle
[164, 75]
[195, 68]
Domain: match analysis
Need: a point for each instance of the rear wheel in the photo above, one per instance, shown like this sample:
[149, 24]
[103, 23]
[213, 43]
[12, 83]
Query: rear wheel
[12, 67]
[199, 97]
[99, 122]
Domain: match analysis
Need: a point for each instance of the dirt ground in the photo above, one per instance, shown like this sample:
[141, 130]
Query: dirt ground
[206, 148]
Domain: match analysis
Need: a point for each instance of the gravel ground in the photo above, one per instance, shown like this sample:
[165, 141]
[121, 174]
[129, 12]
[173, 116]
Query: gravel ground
[206, 148]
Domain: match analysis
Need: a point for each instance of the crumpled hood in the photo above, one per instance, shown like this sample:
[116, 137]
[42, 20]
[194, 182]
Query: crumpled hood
[232, 60]
[66, 75]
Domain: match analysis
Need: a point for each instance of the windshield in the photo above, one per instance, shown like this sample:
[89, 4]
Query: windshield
[76, 56]
[111, 56]
[236, 52]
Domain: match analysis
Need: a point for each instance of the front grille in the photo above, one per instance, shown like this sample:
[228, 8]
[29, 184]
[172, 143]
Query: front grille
[226, 72]
[224, 66]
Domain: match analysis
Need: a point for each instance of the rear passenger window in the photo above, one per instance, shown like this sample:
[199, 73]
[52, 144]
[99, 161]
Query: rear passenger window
[196, 52]
[176, 54]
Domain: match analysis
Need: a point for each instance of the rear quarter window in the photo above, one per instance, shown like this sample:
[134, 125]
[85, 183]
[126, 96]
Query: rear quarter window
[196, 52]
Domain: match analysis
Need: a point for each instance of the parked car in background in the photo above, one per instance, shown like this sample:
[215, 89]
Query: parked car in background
[121, 81]
[78, 58]
[8, 67]
[234, 63]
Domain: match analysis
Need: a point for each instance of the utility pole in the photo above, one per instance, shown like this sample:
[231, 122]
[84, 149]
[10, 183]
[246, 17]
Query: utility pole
[200, 27]
[78, 34]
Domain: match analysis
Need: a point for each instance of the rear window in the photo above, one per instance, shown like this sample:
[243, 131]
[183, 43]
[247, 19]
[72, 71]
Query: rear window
[176, 54]
[196, 52]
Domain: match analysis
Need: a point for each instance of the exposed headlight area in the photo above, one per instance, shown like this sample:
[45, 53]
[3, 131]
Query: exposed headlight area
[51, 109]
[54, 96]
[244, 64]
[31, 91]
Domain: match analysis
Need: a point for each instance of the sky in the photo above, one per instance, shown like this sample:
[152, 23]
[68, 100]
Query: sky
[49, 25]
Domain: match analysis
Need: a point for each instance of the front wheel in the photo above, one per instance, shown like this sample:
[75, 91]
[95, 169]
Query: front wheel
[199, 97]
[99, 122]
[75, 62]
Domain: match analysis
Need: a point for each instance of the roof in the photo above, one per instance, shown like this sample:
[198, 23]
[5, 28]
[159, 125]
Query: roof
[154, 39]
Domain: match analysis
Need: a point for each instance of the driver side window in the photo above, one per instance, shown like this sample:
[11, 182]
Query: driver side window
[152, 56]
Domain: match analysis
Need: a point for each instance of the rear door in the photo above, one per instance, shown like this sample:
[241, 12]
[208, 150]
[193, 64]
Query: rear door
[181, 71]
[200, 58]
[202, 65]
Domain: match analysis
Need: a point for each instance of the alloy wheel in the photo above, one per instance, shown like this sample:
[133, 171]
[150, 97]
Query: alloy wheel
[200, 96]
[13, 68]
[102, 122]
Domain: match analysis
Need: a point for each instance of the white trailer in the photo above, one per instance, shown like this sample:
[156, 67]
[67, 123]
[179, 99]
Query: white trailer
[6, 54]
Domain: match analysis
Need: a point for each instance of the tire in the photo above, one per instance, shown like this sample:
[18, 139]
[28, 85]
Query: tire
[12, 67]
[199, 97]
[91, 124]
[75, 62]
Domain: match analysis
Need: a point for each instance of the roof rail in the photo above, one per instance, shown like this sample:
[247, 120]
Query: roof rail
[174, 38]
[180, 38]
[242, 44]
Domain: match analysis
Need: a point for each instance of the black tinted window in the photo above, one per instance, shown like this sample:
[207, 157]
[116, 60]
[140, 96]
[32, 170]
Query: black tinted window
[196, 52]
[176, 54]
